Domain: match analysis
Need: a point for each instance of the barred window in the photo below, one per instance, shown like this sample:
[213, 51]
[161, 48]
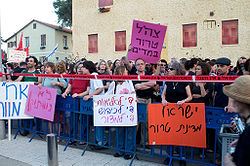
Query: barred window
[230, 32]
[190, 35]
[120, 41]
[43, 40]
[93, 43]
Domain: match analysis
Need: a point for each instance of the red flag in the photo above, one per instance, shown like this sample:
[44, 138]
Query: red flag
[3, 56]
[27, 50]
[20, 45]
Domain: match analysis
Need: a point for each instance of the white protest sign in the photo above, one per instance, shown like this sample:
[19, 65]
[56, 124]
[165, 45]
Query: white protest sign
[16, 56]
[115, 110]
[13, 100]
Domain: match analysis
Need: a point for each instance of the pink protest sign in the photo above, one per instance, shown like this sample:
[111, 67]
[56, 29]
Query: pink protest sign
[41, 102]
[147, 41]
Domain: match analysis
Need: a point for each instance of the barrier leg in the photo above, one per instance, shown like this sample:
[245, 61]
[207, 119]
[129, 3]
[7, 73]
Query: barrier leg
[67, 144]
[134, 157]
[85, 148]
[36, 133]
[17, 132]
[52, 150]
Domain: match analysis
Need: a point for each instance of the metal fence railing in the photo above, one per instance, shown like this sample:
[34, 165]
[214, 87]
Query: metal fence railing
[74, 122]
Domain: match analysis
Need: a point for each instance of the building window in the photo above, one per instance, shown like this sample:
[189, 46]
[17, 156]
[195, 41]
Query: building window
[27, 41]
[65, 42]
[120, 41]
[9, 44]
[190, 35]
[230, 32]
[43, 40]
[93, 43]
[34, 26]
[103, 3]
[14, 44]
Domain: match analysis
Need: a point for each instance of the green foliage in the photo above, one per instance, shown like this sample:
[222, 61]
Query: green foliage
[63, 9]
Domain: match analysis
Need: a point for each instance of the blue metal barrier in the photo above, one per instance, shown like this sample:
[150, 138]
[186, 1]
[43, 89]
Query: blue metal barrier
[78, 114]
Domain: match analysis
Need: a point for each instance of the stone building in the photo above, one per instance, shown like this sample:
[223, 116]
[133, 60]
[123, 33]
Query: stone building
[195, 28]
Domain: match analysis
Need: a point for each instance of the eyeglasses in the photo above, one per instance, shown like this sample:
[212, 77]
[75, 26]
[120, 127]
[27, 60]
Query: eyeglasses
[163, 65]
[171, 69]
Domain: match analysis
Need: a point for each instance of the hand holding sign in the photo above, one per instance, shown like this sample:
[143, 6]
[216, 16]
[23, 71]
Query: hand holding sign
[41, 102]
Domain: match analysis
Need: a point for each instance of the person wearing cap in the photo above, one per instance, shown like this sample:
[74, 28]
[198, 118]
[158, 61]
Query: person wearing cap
[238, 92]
[223, 69]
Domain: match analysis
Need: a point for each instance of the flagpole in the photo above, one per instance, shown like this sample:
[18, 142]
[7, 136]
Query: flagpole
[2, 122]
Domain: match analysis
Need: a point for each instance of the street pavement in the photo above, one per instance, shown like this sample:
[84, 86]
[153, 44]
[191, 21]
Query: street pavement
[20, 152]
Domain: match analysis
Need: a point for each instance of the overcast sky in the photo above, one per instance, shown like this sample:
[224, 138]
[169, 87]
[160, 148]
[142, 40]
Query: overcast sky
[17, 13]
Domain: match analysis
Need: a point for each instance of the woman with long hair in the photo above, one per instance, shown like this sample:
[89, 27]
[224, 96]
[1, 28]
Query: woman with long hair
[124, 87]
[176, 92]
[56, 83]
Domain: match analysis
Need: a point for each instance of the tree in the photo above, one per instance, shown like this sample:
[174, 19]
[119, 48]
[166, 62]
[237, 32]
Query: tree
[63, 9]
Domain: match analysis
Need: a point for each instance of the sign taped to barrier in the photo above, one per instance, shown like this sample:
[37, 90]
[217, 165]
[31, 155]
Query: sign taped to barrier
[147, 41]
[172, 125]
[13, 100]
[115, 110]
[41, 102]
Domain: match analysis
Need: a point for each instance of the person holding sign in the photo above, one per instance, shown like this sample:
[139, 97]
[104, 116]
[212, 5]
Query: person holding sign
[238, 92]
[124, 87]
[31, 69]
[56, 83]
[176, 92]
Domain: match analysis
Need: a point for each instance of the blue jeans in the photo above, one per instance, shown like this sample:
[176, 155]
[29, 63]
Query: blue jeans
[100, 135]
[128, 145]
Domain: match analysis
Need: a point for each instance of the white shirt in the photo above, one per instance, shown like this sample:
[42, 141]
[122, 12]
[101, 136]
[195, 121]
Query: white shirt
[126, 87]
[95, 84]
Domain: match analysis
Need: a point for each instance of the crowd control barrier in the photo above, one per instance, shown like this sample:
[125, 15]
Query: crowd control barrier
[75, 117]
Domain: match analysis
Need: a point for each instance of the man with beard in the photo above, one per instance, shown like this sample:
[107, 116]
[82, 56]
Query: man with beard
[31, 69]
[223, 69]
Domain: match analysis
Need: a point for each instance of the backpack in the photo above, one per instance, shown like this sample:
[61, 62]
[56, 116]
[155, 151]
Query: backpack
[62, 89]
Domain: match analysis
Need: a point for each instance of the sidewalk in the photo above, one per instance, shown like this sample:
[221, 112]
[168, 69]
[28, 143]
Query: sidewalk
[20, 152]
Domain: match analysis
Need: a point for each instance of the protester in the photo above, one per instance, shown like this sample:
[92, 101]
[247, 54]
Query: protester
[176, 92]
[247, 67]
[96, 88]
[104, 70]
[202, 92]
[240, 96]
[19, 69]
[58, 84]
[115, 64]
[159, 86]
[239, 69]
[31, 69]
[124, 87]
[223, 69]
[144, 92]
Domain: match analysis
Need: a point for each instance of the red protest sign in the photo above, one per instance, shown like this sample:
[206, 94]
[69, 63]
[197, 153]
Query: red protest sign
[172, 125]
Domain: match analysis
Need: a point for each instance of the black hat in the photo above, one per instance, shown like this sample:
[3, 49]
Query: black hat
[223, 61]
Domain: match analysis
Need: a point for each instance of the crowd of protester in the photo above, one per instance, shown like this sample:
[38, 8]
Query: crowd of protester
[146, 91]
